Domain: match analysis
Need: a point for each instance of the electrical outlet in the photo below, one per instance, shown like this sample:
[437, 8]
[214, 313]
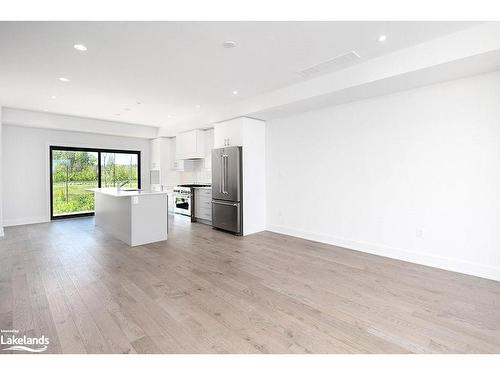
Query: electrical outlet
[135, 200]
[419, 232]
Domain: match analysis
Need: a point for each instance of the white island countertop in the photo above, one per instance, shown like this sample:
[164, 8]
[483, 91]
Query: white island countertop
[114, 192]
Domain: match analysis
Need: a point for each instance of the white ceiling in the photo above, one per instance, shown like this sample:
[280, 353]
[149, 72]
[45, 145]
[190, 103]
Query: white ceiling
[170, 67]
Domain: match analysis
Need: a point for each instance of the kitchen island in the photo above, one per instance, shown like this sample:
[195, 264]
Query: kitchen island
[136, 217]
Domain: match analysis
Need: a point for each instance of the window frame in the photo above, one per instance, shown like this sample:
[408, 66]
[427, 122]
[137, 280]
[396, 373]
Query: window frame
[99, 174]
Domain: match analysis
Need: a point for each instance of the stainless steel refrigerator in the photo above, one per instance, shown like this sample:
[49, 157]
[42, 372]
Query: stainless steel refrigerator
[227, 189]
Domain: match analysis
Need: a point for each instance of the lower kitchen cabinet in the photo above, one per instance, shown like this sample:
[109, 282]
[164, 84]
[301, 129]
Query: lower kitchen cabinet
[203, 204]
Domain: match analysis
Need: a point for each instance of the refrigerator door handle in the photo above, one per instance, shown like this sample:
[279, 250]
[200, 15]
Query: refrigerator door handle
[225, 173]
[221, 188]
[225, 203]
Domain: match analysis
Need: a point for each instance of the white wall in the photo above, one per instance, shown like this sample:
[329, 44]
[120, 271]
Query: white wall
[366, 175]
[254, 182]
[25, 167]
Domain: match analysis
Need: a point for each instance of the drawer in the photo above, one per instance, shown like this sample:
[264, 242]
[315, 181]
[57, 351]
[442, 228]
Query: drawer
[203, 199]
[203, 203]
[204, 192]
[227, 216]
[203, 209]
[204, 213]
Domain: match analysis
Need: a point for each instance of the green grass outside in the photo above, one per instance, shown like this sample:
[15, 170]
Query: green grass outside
[78, 200]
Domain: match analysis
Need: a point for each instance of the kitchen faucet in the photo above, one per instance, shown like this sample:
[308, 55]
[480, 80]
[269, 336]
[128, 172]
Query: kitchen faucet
[123, 184]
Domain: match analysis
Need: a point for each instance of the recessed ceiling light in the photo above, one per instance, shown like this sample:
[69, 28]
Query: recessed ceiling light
[229, 44]
[53, 97]
[138, 103]
[235, 92]
[198, 106]
[382, 38]
[80, 47]
[63, 79]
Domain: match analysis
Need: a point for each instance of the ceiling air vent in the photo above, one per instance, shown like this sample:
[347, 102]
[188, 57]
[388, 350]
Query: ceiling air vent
[339, 62]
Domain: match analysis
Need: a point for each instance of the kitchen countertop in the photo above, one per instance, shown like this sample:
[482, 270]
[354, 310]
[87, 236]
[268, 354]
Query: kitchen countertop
[203, 187]
[114, 192]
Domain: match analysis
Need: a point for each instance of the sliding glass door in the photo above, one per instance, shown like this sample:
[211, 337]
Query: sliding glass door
[75, 170]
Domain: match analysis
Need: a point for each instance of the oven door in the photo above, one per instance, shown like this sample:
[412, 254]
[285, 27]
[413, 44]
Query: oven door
[182, 204]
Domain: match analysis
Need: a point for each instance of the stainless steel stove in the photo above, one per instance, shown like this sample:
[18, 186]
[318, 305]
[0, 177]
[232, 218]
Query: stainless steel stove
[182, 200]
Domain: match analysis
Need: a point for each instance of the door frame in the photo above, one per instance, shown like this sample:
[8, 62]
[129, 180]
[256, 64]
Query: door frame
[99, 173]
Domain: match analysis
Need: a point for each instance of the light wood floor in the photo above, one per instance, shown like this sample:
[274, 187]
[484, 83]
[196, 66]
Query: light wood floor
[204, 291]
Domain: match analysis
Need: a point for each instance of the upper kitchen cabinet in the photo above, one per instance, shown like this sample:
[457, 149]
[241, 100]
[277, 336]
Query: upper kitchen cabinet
[161, 157]
[155, 155]
[190, 145]
[209, 145]
[160, 153]
[229, 133]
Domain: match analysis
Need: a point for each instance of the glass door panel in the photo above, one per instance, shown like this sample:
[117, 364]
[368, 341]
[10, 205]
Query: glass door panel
[73, 172]
[120, 169]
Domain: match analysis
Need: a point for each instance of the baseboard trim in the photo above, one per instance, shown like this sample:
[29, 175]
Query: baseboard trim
[426, 259]
[203, 221]
[25, 221]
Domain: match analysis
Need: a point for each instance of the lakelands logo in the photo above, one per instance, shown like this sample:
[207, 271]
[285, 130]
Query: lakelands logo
[23, 343]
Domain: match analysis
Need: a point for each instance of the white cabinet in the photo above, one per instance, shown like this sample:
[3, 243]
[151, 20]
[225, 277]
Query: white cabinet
[207, 163]
[203, 204]
[190, 145]
[229, 133]
[161, 158]
[183, 165]
[178, 165]
[209, 145]
[155, 154]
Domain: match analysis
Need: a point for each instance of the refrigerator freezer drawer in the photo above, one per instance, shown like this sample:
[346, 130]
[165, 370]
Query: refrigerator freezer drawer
[227, 215]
